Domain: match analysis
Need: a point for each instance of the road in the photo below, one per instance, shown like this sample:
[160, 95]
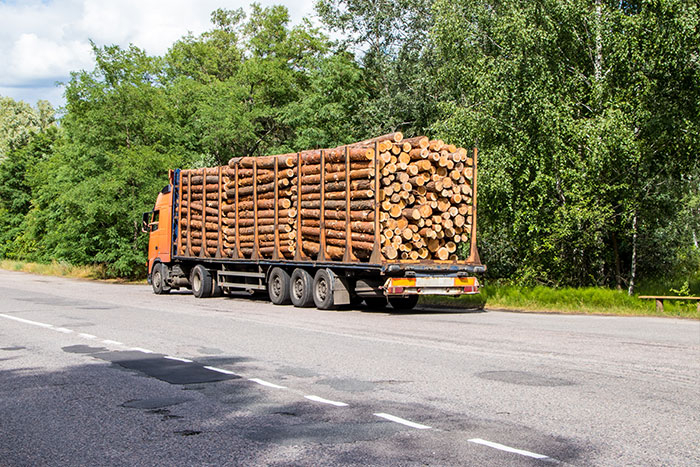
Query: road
[107, 374]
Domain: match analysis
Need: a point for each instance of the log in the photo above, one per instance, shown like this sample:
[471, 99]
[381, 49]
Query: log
[357, 205]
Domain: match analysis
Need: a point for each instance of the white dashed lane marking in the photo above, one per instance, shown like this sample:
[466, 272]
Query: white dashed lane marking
[111, 342]
[26, 321]
[220, 370]
[326, 401]
[87, 336]
[503, 447]
[63, 330]
[402, 421]
[265, 383]
[178, 359]
[141, 349]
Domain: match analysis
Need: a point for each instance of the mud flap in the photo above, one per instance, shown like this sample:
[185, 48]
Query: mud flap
[341, 289]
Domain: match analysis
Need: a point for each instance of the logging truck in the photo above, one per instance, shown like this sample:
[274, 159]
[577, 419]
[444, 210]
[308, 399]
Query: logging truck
[380, 221]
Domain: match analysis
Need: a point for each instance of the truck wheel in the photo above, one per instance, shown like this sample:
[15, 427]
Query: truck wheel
[216, 290]
[201, 281]
[323, 290]
[158, 280]
[302, 288]
[404, 303]
[278, 287]
[375, 303]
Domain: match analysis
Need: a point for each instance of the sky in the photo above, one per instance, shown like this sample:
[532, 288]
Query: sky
[41, 42]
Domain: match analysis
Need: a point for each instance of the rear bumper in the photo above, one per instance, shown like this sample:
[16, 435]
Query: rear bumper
[431, 285]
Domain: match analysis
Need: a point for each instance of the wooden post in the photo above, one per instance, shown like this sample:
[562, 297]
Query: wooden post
[276, 253]
[256, 252]
[179, 214]
[660, 305]
[189, 213]
[473, 252]
[322, 233]
[298, 254]
[202, 250]
[237, 250]
[376, 256]
[348, 257]
[220, 239]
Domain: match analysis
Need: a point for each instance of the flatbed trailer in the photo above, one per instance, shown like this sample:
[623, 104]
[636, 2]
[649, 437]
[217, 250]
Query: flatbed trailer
[220, 266]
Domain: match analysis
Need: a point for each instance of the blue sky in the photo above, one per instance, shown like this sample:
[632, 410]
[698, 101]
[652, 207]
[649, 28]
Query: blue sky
[41, 42]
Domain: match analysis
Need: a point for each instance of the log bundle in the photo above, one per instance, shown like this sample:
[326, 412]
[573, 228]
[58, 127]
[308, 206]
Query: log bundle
[200, 226]
[387, 198]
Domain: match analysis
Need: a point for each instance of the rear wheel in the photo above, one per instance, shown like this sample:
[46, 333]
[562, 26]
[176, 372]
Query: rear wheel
[201, 282]
[278, 287]
[323, 291]
[158, 279]
[404, 303]
[302, 288]
[216, 290]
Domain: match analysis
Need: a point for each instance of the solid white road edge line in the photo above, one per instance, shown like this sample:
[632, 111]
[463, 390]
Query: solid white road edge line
[265, 383]
[402, 421]
[178, 359]
[63, 330]
[326, 401]
[26, 321]
[503, 447]
[220, 370]
[87, 336]
[141, 349]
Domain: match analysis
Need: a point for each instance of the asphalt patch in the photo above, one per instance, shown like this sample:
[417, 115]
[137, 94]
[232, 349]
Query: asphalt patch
[154, 365]
[84, 349]
[11, 349]
[170, 371]
[154, 403]
[524, 378]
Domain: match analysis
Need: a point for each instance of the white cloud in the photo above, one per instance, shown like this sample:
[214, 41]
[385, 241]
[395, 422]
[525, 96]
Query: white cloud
[42, 41]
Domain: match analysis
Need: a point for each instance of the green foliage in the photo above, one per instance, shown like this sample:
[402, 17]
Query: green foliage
[580, 132]
[592, 300]
[18, 121]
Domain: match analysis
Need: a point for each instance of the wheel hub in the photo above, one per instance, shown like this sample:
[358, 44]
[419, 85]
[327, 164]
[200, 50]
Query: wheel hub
[322, 290]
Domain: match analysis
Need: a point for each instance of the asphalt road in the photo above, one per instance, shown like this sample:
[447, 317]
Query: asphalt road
[106, 374]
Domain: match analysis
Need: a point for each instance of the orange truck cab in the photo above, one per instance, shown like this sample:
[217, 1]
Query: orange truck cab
[158, 224]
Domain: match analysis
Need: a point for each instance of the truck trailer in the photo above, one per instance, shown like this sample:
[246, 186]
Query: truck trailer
[381, 221]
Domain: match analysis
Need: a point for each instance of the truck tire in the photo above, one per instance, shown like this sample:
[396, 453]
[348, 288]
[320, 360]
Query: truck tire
[158, 279]
[302, 288]
[323, 290]
[216, 290]
[404, 303]
[201, 282]
[376, 303]
[278, 286]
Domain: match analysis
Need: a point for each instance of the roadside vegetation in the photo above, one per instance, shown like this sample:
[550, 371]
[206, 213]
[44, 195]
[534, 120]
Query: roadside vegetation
[585, 112]
[583, 300]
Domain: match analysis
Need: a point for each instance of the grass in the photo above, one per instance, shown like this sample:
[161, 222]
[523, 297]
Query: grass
[61, 269]
[586, 300]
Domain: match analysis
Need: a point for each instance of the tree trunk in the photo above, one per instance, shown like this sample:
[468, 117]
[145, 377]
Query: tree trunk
[633, 272]
[616, 251]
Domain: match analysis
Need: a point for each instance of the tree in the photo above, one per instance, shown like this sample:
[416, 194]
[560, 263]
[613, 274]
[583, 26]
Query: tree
[585, 115]
[17, 123]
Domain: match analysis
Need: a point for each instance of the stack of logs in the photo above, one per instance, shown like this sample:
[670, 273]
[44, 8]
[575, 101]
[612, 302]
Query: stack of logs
[199, 213]
[424, 210]
[426, 198]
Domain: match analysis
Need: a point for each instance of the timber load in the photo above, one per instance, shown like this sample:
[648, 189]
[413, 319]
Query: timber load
[383, 199]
